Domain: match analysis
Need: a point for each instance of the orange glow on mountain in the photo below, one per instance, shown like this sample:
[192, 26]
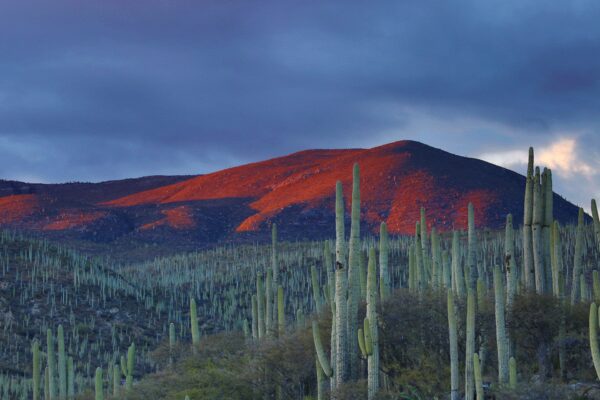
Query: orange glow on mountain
[17, 207]
[71, 219]
[178, 218]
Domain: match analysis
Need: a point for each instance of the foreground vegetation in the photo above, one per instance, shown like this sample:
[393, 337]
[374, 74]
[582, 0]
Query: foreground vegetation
[476, 313]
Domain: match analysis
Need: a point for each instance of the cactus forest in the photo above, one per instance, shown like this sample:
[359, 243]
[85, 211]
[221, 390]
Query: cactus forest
[474, 314]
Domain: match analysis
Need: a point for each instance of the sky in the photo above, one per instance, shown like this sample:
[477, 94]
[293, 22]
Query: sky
[104, 89]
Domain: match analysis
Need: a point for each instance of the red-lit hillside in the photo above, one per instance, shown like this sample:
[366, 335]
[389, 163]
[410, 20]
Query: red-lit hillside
[296, 191]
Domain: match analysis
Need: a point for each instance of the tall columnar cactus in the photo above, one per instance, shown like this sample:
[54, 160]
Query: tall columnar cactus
[51, 365]
[316, 288]
[470, 346]
[453, 337]
[557, 262]
[372, 329]
[501, 337]
[436, 254]
[353, 273]
[116, 380]
[260, 302]
[274, 259]
[547, 226]
[98, 384]
[510, 264]
[578, 258]
[478, 377]
[596, 222]
[593, 331]
[128, 365]
[321, 356]
[424, 240]
[172, 337]
[194, 324]
[538, 244]
[280, 312]
[418, 253]
[527, 226]
[35, 349]
[70, 378]
[384, 277]
[341, 289]
[512, 375]
[62, 364]
[458, 280]
[269, 304]
[472, 248]
[254, 317]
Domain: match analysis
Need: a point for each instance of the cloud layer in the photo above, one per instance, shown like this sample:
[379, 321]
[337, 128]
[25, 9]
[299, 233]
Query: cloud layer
[109, 89]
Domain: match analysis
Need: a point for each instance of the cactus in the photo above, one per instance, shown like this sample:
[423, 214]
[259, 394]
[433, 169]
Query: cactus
[341, 289]
[98, 384]
[593, 331]
[596, 222]
[172, 337]
[512, 376]
[36, 369]
[538, 245]
[470, 346]
[436, 266]
[453, 338]
[472, 248]
[320, 381]
[578, 258]
[596, 286]
[194, 324]
[260, 299]
[116, 380]
[280, 312]
[547, 226]
[314, 279]
[321, 356]
[371, 326]
[254, 318]
[557, 261]
[528, 266]
[62, 364]
[269, 304]
[501, 338]
[458, 281]
[478, 378]
[51, 365]
[130, 365]
[510, 264]
[384, 277]
[46, 383]
[353, 273]
[70, 378]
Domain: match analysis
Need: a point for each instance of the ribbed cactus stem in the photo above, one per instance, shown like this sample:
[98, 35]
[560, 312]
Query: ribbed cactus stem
[501, 338]
[510, 264]
[527, 226]
[436, 266]
[51, 362]
[321, 356]
[453, 338]
[512, 376]
[372, 318]
[547, 227]
[280, 312]
[458, 281]
[116, 380]
[70, 378]
[172, 337]
[593, 331]
[472, 247]
[320, 381]
[557, 262]
[470, 346]
[260, 298]
[194, 324]
[578, 258]
[478, 378]
[537, 225]
[596, 286]
[35, 349]
[341, 289]
[130, 366]
[316, 289]
[269, 300]
[98, 384]
[254, 318]
[596, 220]
[62, 364]
[361, 343]
[353, 273]
[384, 280]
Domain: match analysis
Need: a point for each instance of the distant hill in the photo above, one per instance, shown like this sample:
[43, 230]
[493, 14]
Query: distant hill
[296, 191]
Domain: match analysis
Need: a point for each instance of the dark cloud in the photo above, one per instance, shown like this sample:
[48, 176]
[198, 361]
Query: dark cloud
[106, 89]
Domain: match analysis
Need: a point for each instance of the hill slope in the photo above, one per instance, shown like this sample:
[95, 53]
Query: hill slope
[297, 190]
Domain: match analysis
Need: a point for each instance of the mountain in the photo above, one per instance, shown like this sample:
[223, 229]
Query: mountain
[296, 191]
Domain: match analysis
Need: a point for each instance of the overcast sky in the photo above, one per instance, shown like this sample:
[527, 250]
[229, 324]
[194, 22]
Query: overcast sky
[95, 90]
